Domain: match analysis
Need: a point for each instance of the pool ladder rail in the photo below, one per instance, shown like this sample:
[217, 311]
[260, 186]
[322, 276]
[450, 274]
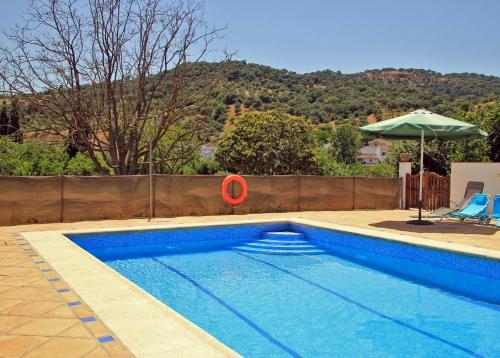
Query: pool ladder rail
[280, 243]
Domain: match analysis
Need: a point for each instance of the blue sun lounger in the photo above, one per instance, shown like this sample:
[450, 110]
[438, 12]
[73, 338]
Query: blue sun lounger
[476, 209]
[496, 210]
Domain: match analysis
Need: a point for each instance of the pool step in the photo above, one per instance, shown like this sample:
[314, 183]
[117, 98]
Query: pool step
[284, 242]
[287, 245]
[278, 252]
[284, 235]
[280, 243]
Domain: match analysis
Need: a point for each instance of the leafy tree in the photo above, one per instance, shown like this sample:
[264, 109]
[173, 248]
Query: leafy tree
[407, 147]
[230, 99]
[4, 120]
[220, 114]
[177, 152]
[476, 150]
[382, 170]
[436, 155]
[207, 167]
[487, 118]
[267, 143]
[81, 164]
[265, 98]
[323, 134]
[35, 158]
[31, 158]
[328, 165]
[344, 144]
[114, 102]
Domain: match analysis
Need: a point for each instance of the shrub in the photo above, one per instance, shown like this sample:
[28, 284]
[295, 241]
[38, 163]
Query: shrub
[31, 158]
[35, 158]
[80, 164]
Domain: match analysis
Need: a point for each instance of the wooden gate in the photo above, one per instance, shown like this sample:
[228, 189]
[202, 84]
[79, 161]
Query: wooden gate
[435, 194]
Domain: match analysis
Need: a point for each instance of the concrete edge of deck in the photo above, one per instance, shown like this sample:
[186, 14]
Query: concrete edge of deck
[137, 318]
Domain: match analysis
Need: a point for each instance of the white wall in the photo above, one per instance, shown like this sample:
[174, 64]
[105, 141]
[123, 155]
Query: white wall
[461, 173]
[404, 168]
[372, 150]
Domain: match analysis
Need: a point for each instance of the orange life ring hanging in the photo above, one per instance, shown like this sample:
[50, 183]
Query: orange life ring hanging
[225, 195]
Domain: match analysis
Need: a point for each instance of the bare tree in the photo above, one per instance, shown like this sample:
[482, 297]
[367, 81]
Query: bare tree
[110, 76]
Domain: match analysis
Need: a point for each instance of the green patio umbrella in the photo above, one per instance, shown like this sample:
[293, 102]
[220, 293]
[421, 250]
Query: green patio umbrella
[420, 124]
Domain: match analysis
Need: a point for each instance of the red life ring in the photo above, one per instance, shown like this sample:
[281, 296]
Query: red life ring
[225, 195]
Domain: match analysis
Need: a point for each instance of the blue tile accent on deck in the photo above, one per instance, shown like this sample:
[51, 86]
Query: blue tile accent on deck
[87, 319]
[75, 303]
[105, 339]
[53, 279]
[62, 290]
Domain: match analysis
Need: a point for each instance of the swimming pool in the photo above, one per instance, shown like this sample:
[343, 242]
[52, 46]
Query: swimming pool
[284, 289]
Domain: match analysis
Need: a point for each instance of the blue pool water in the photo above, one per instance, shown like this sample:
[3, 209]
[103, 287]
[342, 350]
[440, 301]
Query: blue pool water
[312, 292]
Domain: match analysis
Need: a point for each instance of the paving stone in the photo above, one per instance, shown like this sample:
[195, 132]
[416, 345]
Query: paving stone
[12, 346]
[44, 326]
[33, 308]
[32, 293]
[8, 322]
[62, 312]
[6, 303]
[76, 331]
[98, 353]
[63, 347]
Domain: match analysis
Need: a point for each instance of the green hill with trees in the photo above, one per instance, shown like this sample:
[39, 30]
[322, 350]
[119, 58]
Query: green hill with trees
[327, 96]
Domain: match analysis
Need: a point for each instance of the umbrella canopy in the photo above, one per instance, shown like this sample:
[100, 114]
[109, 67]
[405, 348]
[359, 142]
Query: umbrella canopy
[410, 126]
[420, 124]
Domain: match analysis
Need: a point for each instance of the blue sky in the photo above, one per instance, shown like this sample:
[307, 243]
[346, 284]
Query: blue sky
[353, 35]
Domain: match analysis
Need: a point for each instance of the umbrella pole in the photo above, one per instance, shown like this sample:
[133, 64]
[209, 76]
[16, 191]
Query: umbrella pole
[421, 179]
[420, 187]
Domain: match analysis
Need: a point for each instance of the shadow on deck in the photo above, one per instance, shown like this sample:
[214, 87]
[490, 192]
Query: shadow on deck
[439, 227]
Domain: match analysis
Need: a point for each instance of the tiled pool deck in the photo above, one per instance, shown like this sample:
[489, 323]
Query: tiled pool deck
[42, 316]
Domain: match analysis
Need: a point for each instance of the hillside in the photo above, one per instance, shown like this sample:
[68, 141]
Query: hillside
[328, 96]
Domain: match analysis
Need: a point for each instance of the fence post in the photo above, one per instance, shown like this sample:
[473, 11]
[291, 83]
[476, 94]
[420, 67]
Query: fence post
[353, 193]
[150, 181]
[408, 199]
[299, 195]
[153, 206]
[62, 198]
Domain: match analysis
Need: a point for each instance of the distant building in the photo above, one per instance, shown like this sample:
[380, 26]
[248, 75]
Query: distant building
[375, 152]
[207, 151]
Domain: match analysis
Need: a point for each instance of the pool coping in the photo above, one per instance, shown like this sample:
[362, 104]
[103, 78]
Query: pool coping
[136, 317]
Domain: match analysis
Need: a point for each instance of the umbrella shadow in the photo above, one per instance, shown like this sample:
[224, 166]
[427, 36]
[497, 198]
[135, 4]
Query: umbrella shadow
[439, 227]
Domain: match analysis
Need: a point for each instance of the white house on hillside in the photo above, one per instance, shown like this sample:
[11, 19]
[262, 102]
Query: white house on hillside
[375, 151]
